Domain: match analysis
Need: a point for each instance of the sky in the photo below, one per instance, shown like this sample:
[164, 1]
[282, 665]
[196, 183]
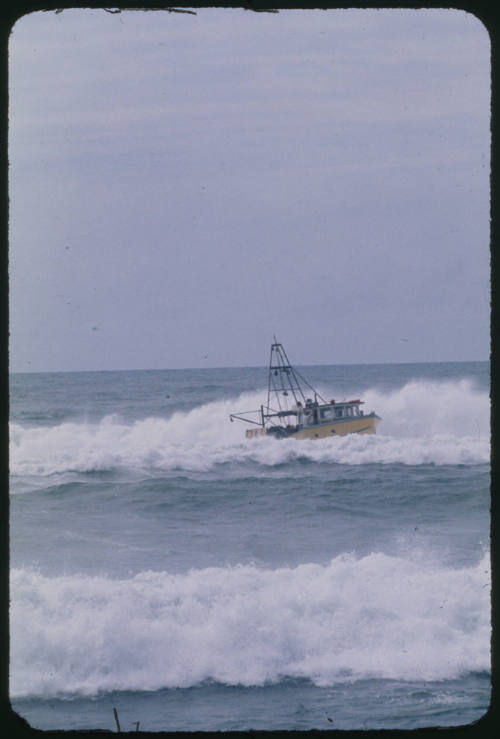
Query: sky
[184, 186]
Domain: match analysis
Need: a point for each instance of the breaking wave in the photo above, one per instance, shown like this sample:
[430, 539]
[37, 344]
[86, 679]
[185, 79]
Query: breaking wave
[422, 423]
[376, 616]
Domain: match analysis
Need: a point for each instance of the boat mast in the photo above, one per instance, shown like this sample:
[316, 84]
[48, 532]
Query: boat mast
[284, 379]
[284, 383]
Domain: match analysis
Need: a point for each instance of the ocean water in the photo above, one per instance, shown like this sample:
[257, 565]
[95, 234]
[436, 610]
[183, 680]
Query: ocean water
[165, 566]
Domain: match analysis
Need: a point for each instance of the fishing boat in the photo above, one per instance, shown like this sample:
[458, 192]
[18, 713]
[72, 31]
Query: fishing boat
[295, 409]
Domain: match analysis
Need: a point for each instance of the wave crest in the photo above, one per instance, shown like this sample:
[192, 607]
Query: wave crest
[375, 616]
[423, 423]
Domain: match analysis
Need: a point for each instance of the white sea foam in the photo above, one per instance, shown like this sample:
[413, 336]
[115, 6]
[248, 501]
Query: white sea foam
[375, 616]
[423, 422]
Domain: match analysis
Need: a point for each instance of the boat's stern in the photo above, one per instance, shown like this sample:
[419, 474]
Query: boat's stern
[252, 433]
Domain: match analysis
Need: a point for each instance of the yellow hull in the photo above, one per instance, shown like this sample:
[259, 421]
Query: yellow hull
[361, 425]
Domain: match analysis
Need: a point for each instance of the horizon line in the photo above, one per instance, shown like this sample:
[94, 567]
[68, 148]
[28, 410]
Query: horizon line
[247, 366]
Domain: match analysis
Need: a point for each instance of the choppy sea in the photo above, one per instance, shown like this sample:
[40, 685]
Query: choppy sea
[165, 566]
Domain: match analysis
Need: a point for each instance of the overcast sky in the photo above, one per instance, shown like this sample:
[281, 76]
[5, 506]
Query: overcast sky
[184, 186]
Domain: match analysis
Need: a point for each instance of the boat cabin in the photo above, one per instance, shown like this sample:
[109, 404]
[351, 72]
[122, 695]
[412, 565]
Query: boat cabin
[312, 413]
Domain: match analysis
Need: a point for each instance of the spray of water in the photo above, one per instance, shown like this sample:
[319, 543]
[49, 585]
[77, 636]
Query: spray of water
[423, 422]
[380, 616]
